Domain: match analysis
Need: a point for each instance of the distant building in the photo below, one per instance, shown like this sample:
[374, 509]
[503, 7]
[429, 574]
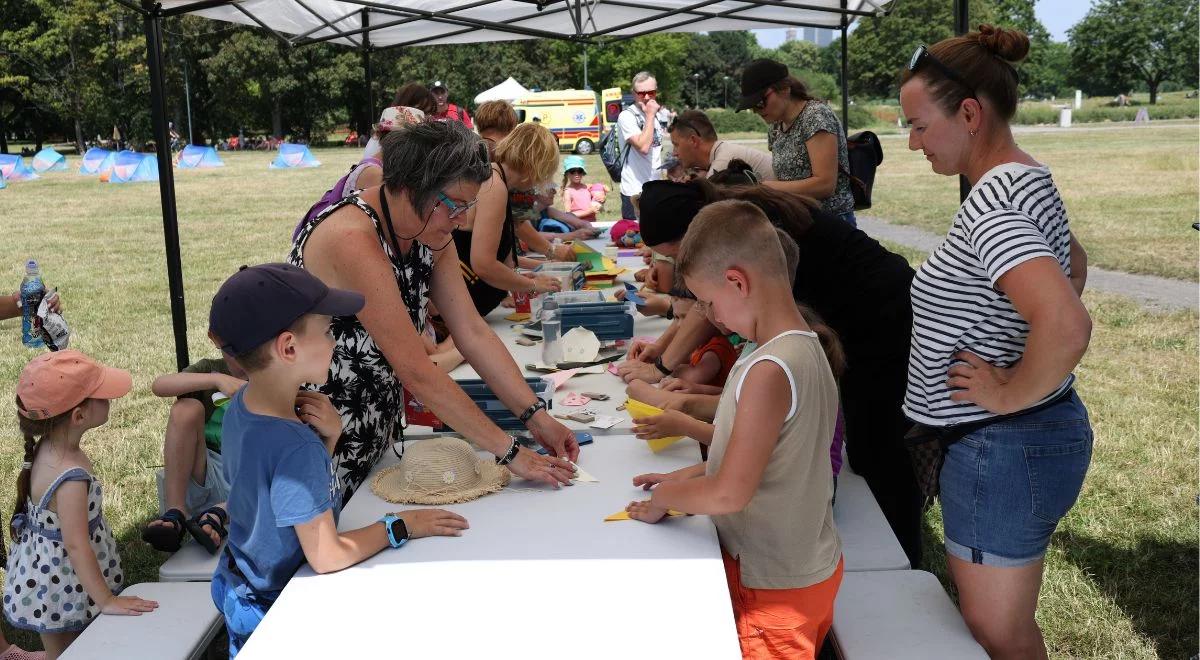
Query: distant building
[819, 36]
[790, 35]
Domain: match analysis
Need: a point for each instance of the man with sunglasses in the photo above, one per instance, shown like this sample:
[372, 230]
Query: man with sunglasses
[641, 132]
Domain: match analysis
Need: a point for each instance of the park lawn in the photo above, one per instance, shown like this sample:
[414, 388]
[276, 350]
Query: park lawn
[1130, 193]
[1122, 572]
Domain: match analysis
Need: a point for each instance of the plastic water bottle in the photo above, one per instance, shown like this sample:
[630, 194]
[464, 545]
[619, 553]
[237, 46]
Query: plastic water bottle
[32, 292]
[551, 335]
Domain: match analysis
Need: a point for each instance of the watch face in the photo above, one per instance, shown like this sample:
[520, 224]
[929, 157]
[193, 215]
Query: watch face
[399, 530]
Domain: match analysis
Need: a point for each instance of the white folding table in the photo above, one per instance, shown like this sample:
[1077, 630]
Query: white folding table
[539, 574]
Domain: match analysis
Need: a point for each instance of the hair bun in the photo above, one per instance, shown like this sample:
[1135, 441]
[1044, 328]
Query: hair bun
[1010, 45]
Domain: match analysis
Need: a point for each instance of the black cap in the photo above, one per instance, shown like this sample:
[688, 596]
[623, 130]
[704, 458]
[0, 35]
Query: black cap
[437, 84]
[259, 302]
[756, 78]
[666, 210]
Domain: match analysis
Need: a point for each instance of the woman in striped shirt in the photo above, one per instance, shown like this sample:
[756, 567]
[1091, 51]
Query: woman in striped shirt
[998, 328]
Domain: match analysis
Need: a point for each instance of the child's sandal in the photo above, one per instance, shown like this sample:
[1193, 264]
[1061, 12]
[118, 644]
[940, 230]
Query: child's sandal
[165, 538]
[214, 517]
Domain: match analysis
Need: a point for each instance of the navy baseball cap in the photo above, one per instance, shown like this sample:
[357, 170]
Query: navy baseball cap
[258, 302]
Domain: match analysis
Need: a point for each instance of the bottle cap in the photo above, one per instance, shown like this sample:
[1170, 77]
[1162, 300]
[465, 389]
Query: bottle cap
[31, 266]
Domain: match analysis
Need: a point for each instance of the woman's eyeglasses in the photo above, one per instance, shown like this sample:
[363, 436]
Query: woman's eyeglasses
[762, 103]
[922, 55]
[456, 209]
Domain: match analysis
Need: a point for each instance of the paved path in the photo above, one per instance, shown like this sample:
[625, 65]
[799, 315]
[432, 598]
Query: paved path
[1153, 292]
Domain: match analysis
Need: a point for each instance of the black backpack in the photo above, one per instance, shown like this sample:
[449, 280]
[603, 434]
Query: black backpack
[612, 152]
[865, 154]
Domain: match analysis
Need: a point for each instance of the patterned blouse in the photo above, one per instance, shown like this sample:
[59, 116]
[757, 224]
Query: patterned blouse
[789, 153]
[362, 384]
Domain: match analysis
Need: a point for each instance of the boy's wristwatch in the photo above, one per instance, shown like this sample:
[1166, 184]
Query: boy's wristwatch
[397, 532]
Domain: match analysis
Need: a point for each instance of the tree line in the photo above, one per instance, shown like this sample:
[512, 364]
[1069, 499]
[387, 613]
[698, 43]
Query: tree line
[76, 70]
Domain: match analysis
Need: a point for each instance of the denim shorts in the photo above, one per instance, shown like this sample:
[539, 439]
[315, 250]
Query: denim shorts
[1005, 487]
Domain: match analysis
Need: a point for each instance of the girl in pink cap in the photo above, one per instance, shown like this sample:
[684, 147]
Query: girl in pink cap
[63, 568]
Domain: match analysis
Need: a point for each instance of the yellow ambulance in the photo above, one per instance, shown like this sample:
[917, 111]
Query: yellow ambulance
[573, 115]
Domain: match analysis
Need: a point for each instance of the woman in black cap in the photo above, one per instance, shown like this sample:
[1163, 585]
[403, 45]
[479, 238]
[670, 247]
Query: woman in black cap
[851, 281]
[807, 143]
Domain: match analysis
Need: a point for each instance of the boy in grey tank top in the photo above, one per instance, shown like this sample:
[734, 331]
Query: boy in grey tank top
[767, 484]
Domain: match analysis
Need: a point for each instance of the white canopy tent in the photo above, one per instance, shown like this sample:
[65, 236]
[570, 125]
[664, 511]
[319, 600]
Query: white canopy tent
[384, 23]
[368, 25]
[510, 90]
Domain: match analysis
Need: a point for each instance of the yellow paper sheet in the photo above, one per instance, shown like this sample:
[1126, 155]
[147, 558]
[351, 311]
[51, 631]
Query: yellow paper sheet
[517, 316]
[636, 410]
[624, 515]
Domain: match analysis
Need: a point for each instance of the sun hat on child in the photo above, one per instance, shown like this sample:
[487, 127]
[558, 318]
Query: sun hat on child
[439, 471]
[573, 163]
[54, 383]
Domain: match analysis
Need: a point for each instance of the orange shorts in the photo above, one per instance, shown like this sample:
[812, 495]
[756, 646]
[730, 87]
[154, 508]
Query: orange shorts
[781, 623]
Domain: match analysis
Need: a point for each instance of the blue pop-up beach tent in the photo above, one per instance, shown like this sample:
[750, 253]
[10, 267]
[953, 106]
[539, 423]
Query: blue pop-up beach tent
[2, 184]
[131, 167]
[97, 161]
[294, 155]
[195, 156]
[13, 168]
[49, 160]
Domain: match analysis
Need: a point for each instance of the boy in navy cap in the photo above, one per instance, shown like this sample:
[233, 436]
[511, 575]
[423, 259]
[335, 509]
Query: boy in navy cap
[285, 497]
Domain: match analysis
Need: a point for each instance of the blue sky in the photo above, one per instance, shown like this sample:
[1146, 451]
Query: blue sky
[1057, 15]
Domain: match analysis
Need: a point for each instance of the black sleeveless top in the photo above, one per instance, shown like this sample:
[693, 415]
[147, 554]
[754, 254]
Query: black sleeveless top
[485, 296]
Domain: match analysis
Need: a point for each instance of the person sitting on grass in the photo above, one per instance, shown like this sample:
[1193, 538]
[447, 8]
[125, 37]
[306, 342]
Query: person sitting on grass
[192, 477]
[275, 320]
[767, 483]
[58, 520]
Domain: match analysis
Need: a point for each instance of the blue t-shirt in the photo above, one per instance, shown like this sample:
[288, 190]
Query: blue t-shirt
[280, 475]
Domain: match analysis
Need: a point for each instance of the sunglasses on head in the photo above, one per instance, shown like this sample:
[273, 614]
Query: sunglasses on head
[921, 56]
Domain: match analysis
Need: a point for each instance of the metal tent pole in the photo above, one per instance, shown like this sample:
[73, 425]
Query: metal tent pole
[962, 26]
[845, 76]
[368, 72]
[152, 22]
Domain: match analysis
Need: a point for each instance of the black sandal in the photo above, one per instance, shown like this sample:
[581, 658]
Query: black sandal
[162, 537]
[195, 526]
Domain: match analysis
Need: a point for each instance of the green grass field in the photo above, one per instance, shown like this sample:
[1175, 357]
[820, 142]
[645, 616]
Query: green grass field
[1121, 578]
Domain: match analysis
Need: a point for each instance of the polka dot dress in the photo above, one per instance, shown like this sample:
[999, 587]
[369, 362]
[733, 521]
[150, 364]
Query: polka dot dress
[41, 591]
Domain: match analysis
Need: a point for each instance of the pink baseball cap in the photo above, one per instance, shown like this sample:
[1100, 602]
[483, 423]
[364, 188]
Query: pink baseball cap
[54, 383]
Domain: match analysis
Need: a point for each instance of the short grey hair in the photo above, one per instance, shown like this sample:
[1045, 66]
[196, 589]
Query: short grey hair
[643, 76]
[425, 158]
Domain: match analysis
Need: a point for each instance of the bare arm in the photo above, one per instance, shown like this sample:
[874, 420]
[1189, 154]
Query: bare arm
[9, 307]
[822, 152]
[172, 385]
[370, 177]
[645, 140]
[693, 332]
[327, 551]
[1059, 332]
[1079, 265]
[488, 356]
[762, 409]
[485, 240]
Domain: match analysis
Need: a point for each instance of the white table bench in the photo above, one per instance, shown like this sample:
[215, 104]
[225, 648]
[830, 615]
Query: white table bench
[868, 542]
[191, 564]
[182, 627]
[539, 574]
[899, 615]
